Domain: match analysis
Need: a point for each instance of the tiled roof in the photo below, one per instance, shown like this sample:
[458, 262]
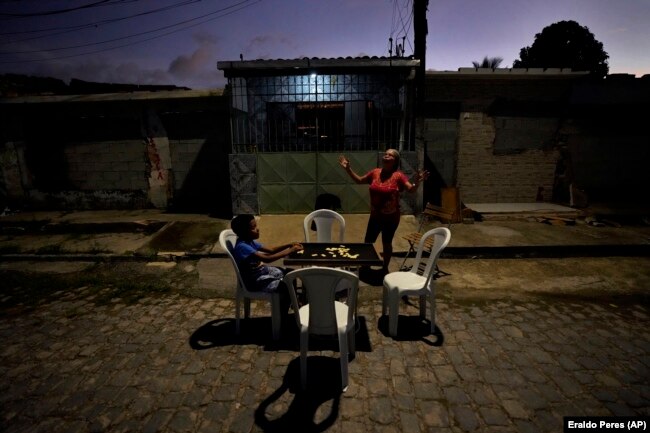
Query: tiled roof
[508, 73]
[316, 62]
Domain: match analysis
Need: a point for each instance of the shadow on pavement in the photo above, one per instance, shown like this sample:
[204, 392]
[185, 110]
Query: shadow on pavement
[412, 328]
[303, 414]
[186, 236]
[253, 331]
[373, 277]
[256, 331]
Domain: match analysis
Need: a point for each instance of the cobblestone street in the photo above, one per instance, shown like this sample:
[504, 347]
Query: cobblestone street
[173, 364]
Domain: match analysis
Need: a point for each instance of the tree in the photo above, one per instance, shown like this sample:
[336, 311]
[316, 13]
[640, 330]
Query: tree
[491, 62]
[565, 44]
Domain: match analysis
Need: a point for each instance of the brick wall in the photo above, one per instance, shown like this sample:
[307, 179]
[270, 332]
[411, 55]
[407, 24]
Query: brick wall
[461, 132]
[484, 177]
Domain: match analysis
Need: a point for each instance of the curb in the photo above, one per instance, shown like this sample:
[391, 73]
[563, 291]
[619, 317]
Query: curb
[547, 251]
[502, 252]
[172, 257]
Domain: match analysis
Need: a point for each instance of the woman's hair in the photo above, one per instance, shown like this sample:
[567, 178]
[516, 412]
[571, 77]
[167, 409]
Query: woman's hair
[241, 224]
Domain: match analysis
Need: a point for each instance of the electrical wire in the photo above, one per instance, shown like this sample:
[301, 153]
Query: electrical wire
[148, 39]
[95, 24]
[53, 12]
[398, 20]
[406, 26]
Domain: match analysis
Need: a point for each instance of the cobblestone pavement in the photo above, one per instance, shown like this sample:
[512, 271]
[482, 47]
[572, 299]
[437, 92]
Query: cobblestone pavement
[172, 364]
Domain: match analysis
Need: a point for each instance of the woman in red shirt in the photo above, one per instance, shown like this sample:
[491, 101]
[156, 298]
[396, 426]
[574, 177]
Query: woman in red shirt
[386, 183]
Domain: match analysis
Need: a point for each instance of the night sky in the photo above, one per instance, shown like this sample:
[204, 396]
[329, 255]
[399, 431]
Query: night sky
[180, 41]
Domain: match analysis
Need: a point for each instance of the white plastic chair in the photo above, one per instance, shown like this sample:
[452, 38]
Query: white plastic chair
[324, 220]
[323, 315]
[398, 284]
[227, 239]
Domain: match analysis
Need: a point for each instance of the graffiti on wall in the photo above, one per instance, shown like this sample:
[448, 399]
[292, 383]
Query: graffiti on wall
[158, 160]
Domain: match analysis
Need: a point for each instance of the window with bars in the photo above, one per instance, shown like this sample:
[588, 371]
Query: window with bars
[317, 112]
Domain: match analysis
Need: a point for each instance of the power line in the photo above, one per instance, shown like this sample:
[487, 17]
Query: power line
[54, 12]
[148, 39]
[68, 29]
[404, 31]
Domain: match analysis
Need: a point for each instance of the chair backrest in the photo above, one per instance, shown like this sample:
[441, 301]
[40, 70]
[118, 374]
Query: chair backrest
[441, 237]
[227, 240]
[432, 211]
[324, 220]
[320, 285]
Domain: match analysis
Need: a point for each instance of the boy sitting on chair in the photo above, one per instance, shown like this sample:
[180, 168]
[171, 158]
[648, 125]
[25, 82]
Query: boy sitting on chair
[251, 257]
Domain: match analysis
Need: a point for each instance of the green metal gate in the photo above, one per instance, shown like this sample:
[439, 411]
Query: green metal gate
[290, 182]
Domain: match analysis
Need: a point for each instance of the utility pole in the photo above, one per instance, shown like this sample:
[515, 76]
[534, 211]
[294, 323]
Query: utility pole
[420, 30]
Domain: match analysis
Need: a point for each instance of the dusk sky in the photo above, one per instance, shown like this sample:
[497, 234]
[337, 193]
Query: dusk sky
[180, 41]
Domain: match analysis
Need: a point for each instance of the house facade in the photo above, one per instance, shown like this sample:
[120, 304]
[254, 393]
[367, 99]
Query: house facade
[269, 143]
[127, 150]
[526, 135]
[291, 119]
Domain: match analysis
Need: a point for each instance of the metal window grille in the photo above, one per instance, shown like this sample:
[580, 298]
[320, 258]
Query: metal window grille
[318, 113]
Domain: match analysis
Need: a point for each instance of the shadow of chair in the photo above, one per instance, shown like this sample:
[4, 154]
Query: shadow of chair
[413, 328]
[221, 333]
[304, 413]
[227, 239]
[323, 315]
[411, 283]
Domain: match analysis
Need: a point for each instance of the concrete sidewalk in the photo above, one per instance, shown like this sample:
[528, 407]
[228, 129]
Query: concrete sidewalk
[147, 234]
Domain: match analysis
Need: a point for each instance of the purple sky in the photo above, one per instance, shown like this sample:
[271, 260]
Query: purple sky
[133, 41]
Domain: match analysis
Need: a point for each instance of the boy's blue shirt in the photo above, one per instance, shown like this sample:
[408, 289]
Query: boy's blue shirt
[256, 275]
[244, 253]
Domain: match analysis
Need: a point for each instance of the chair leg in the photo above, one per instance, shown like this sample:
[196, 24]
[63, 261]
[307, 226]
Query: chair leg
[352, 344]
[247, 308]
[423, 306]
[393, 312]
[408, 253]
[304, 347]
[343, 351]
[384, 302]
[276, 316]
[432, 306]
[237, 313]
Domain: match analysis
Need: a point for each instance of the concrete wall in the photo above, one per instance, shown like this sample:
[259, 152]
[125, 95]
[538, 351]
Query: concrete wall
[113, 165]
[610, 168]
[503, 135]
[184, 154]
[441, 136]
[163, 153]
